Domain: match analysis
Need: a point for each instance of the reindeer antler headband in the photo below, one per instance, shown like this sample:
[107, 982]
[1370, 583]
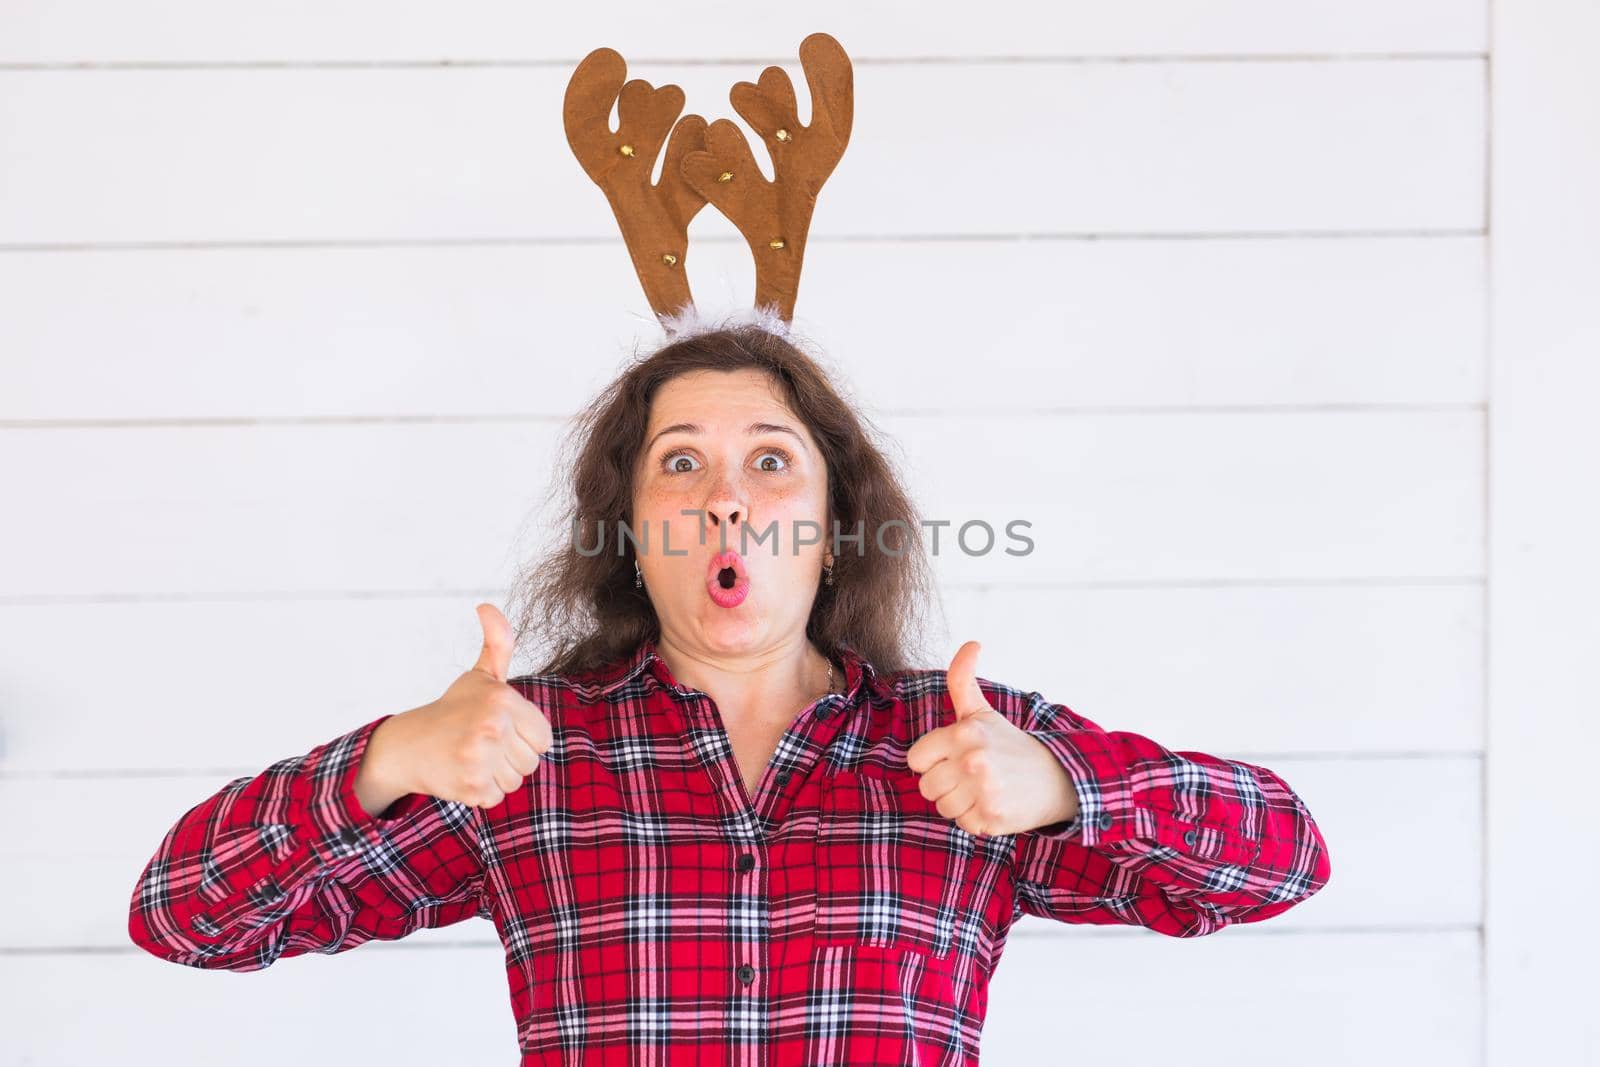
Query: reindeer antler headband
[712, 164]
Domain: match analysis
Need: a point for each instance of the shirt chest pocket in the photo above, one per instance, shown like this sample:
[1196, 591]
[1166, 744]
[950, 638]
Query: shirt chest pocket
[891, 870]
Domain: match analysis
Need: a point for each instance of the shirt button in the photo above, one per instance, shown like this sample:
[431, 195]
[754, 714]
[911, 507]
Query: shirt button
[1189, 838]
[1105, 820]
[349, 835]
[746, 861]
[747, 974]
[783, 779]
[824, 710]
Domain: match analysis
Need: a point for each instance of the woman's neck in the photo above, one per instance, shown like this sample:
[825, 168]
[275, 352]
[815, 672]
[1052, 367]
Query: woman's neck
[766, 684]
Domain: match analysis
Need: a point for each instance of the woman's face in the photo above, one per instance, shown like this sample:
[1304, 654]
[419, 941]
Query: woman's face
[725, 448]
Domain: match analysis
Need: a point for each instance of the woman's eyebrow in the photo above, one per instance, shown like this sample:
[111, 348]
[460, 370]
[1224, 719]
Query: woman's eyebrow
[774, 427]
[753, 428]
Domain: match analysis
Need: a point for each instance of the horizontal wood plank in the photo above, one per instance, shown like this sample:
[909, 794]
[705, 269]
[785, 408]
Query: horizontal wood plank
[1336, 669]
[1378, 998]
[77, 31]
[295, 332]
[386, 154]
[379, 1003]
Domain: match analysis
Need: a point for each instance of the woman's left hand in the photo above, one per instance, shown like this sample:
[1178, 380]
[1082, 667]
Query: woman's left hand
[984, 772]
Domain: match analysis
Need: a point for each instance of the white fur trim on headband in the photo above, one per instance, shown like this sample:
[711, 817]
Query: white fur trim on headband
[688, 321]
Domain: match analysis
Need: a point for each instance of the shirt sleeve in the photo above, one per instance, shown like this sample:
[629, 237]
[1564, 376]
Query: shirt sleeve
[1182, 843]
[288, 861]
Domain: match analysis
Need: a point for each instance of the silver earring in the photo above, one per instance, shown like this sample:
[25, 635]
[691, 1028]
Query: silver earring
[827, 574]
[638, 578]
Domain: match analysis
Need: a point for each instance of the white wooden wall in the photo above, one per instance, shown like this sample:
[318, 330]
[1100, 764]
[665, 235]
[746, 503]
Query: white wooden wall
[294, 299]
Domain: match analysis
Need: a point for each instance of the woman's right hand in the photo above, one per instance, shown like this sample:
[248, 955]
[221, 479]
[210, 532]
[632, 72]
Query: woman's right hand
[477, 742]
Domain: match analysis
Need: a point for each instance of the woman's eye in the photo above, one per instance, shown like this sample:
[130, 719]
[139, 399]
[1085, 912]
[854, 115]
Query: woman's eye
[680, 462]
[782, 456]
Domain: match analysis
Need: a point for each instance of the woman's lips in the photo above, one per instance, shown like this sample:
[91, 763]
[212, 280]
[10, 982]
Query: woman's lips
[727, 567]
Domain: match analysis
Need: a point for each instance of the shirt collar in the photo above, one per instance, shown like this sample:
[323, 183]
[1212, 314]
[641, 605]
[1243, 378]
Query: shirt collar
[859, 674]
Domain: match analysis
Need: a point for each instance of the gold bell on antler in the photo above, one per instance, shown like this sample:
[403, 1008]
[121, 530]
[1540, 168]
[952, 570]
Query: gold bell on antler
[775, 243]
[782, 135]
[626, 150]
[669, 259]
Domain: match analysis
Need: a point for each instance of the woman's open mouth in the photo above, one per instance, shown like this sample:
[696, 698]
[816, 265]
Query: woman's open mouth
[726, 579]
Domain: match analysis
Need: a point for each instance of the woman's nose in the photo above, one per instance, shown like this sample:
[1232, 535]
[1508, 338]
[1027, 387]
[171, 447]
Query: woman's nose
[726, 513]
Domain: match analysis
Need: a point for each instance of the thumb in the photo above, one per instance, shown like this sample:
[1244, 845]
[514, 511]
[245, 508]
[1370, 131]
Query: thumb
[962, 681]
[495, 659]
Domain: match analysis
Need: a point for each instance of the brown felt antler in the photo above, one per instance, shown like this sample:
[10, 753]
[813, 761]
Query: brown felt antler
[712, 164]
[774, 216]
[654, 218]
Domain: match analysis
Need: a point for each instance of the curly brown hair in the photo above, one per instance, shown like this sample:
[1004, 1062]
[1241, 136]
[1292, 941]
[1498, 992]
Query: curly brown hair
[585, 609]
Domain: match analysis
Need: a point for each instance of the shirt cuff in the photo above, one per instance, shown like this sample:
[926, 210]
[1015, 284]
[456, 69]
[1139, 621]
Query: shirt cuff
[1109, 812]
[1086, 826]
[325, 794]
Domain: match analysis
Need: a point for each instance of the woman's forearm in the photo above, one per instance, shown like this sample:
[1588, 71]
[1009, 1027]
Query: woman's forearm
[377, 784]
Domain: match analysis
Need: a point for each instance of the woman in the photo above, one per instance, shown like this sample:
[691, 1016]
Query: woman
[727, 814]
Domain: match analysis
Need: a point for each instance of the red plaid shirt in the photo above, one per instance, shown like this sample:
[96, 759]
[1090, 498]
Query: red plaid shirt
[651, 910]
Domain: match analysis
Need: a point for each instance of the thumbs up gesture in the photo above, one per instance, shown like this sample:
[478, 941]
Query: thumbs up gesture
[983, 771]
[478, 741]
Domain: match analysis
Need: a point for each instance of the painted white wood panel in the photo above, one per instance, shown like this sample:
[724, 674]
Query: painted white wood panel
[43, 31]
[1305, 589]
[1404, 838]
[274, 509]
[1187, 496]
[1379, 999]
[379, 1003]
[478, 153]
[1344, 669]
[436, 506]
[1299, 670]
[538, 329]
[1544, 581]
